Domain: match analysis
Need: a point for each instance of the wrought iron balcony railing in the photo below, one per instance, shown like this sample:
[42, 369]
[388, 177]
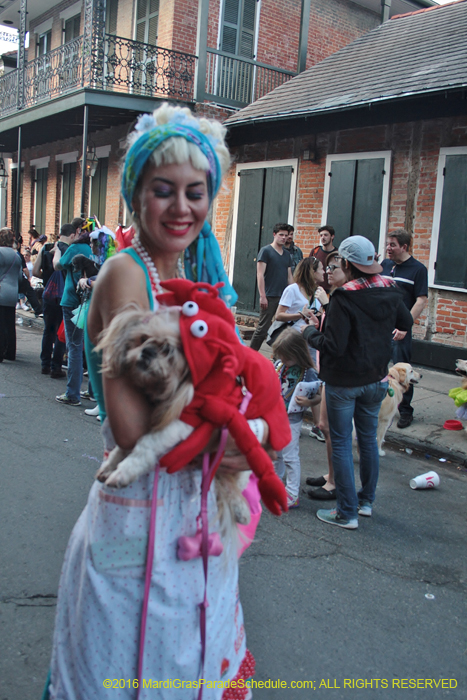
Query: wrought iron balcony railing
[115, 65]
[54, 73]
[235, 81]
[126, 66]
[133, 67]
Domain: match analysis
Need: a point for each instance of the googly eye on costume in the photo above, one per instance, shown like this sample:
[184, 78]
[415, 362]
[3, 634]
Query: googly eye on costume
[190, 308]
[199, 329]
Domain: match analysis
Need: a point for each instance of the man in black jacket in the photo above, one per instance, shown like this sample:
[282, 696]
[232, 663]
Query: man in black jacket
[355, 350]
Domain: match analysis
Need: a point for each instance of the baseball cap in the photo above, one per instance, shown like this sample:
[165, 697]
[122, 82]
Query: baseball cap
[360, 252]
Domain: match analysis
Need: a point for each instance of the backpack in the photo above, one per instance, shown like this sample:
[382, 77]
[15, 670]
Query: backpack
[54, 288]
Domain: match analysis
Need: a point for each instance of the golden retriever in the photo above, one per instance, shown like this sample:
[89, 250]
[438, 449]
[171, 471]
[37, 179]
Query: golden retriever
[400, 376]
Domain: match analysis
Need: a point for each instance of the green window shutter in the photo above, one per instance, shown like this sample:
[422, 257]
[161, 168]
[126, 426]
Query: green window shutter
[451, 259]
[41, 199]
[68, 193]
[263, 201]
[147, 18]
[247, 36]
[248, 236]
[275, 201]
[238, 27]
[99, 190]
[355, 198]
[341, 191]
[368, 196]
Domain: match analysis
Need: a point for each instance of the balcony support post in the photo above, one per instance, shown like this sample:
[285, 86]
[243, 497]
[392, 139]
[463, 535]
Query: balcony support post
[83, 160]
[201, 50]
[21, 63]
[18, 186]
[304, 27]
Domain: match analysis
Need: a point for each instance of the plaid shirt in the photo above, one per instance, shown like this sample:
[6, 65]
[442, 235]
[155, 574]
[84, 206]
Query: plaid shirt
[368, 283]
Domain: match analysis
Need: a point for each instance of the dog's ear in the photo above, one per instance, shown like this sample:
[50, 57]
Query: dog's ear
[115, 339]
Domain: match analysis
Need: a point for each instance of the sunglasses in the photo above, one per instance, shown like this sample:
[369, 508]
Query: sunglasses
[331, 268]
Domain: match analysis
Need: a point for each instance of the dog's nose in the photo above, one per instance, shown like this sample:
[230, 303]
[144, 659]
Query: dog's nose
[148, 353]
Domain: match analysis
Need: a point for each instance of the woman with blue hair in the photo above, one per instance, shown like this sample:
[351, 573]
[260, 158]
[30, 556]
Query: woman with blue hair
[173, 170]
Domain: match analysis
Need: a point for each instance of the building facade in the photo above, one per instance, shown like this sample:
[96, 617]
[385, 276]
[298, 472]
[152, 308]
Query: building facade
[93, 65]
[367, 147]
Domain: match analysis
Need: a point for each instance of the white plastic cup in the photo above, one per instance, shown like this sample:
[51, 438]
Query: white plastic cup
[233, 310]
[430, 480]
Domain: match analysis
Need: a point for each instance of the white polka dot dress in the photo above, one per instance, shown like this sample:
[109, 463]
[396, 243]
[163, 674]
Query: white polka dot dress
[101, 592]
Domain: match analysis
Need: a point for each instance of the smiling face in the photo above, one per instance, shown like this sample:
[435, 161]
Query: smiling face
[395, 251]
[336, 276]
[171, 204]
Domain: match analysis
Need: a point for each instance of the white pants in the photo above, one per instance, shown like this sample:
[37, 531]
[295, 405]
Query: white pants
[288, 461]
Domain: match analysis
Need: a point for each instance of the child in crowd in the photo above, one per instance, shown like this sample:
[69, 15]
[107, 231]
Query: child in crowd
[294, 365]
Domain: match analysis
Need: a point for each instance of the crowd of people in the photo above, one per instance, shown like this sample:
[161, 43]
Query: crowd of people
[334, 322]
[356, 315]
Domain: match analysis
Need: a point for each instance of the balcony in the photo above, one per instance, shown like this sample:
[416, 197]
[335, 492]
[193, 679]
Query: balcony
[235, 81]
[118, 65]
[114, 65]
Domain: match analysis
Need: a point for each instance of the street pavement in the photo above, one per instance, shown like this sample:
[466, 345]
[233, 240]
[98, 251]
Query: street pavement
[383, 606]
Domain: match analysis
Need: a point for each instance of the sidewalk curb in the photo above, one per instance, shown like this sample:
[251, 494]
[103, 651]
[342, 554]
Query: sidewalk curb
[425, 448]
[29, 320]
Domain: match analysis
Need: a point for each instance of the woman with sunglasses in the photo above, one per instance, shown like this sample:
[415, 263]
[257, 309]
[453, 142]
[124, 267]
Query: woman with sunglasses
[356, 350]
[324, 487]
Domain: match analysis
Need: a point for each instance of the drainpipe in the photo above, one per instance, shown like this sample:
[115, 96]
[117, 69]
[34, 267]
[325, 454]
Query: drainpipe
[18, 185]
[304, 26]
[385, 10]
[83, 161]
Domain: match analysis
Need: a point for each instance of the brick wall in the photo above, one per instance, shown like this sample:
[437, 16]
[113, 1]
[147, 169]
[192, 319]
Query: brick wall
[114, 210]
[415, 148]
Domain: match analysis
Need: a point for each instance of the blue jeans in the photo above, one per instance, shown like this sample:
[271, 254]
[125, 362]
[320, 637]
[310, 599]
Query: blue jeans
[74, 347]
[402, 352]
[362, 403]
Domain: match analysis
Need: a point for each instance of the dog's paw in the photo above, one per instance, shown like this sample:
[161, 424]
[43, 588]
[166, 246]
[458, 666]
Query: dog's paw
[118, 479]
[241, 511]
[104, 471]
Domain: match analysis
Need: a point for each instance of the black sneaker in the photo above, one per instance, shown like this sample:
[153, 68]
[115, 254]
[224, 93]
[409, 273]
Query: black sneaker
[45, 370]
[405, 421]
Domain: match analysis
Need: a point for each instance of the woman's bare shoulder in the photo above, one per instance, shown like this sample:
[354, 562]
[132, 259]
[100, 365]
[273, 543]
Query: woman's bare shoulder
[121, 282]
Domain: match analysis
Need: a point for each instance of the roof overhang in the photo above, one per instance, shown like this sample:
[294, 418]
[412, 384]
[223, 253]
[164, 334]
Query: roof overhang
[63, 118]
[417, 107]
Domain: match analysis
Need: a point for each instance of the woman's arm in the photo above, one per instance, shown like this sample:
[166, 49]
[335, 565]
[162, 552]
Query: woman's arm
[120, 283]
[37, 267]
[283, 315]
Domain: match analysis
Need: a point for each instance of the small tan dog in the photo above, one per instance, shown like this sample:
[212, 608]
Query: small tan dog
[400, 376]
[146, 348]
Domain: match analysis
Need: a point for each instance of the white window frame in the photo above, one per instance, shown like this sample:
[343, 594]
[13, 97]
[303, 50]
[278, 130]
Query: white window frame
[70, 157]
[443, 152]
[293, 162]
[387, 155]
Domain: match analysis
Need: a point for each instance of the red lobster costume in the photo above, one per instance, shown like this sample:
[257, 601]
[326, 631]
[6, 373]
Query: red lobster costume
[217, 360]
